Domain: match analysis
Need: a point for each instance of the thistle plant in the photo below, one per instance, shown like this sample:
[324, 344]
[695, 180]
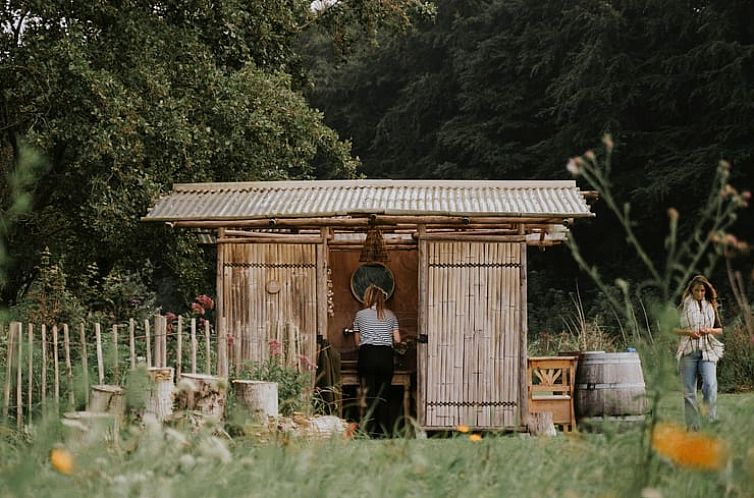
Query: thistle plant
[666, 278]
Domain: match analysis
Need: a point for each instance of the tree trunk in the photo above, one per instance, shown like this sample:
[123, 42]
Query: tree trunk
[107, 399]
[259, 397]
[540, 424]
[86, 428]
[161, 395]
[203, 393]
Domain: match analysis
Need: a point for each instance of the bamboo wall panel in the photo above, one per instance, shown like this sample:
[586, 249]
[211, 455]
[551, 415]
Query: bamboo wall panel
[270, 293]
[473, 317]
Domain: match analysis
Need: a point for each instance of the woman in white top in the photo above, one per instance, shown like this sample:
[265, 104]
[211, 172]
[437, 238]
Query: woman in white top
[376, 330]
[699, 350]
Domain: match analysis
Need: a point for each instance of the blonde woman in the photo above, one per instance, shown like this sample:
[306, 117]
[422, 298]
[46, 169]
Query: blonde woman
[376, 330]
[699, 349]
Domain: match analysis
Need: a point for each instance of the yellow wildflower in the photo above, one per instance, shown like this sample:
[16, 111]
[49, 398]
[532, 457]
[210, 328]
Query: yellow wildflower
[463, 428]
[475, 438]
[688, 449]
[62, 460]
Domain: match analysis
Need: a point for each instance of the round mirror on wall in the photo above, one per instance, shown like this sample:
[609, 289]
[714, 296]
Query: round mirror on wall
[371, 273]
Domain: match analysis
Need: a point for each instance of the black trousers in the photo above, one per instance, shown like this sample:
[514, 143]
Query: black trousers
[376, 375]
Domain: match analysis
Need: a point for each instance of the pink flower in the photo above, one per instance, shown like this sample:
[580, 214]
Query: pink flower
[197, 308]
[205, 301]
[276, 348]
[306, 363]
[170, 318]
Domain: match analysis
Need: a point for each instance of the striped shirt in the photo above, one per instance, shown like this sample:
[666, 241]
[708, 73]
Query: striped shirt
[373, 330]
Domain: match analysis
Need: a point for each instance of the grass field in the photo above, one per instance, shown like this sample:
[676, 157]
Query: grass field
[165, 463]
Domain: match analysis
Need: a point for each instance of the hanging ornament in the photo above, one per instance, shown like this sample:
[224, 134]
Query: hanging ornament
[374, 247]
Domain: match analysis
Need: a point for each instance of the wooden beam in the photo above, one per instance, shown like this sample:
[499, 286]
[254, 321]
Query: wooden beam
[280, 239]
[369, 220]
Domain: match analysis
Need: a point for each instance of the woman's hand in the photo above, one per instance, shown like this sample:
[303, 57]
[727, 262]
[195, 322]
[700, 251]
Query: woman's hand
[695, 334]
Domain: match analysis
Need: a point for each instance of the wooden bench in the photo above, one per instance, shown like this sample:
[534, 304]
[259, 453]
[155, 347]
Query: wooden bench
[551, 381]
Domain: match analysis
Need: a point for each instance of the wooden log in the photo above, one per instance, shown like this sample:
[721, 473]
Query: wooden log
[107, 399]
[30, 394]
[132, 342]
[203, 393]
[161, 395]
[56, 363]
[278, 239]
[540, 424]
[222, 360]
[100, 364]
[84, 361]
[68, 365]
[88, 428]
[259, 397]
[19, 380]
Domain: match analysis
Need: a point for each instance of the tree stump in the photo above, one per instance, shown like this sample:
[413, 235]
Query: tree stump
[161, 394]
[85, 428]
[540, 424]
[105, 398]
[204, 394]
[259, 397]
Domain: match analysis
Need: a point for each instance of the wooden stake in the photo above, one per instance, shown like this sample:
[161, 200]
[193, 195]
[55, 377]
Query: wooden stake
[193, 345]
[149, 344]
[207, 347]
[84, 361]
[30, 394]
[56, 364]
[19, 379]
[132, 342]
[44, 365]
[68, 366]
[179, 348]
[116, 370]
[8, 358]
[100, 364]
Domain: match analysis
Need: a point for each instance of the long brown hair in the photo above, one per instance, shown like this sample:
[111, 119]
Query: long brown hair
[710, 294]
[375, 296]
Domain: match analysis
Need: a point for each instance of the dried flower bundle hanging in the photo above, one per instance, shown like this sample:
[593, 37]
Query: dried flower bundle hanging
[374, 247]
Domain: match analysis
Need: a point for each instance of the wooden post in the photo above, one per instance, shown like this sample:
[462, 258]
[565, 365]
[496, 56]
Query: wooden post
[19, 380]
[160, 395]
[149, 344]
[132, 342]
[179, 347]
[44, 365]
[8, 371]
[523, 331]
[193, 345]
[207, 347]
[222, 357]
[84, 361]
[30, 394]
[56, 360]
[100, 364]
[259, 397]
[68, 366]
[116, 370]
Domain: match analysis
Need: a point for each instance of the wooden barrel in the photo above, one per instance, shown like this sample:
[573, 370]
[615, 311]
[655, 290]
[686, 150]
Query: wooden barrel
[610, 386]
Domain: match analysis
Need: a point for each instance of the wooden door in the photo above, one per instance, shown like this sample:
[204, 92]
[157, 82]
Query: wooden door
[470, 369]
[270, 293]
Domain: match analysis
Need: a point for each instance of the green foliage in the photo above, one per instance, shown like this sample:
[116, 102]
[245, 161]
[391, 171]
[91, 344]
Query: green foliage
[155, 461]
[736, 369]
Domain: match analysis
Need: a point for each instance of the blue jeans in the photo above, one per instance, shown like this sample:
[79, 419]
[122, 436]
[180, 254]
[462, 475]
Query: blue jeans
[692, 366]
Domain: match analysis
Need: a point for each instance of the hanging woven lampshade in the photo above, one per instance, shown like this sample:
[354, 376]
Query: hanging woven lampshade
[374, 247]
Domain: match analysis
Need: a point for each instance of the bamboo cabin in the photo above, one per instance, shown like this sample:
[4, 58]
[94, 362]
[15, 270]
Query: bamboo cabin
[293, 257]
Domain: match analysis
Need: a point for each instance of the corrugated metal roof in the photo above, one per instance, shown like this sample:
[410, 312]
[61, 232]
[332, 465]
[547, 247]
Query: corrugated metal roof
[321, 198]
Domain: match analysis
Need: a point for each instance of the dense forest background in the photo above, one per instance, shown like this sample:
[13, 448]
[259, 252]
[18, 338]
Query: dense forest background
[124, 98]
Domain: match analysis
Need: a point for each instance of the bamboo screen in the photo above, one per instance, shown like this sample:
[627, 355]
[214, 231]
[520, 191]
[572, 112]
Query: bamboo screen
[470, 366]
[270, 293]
